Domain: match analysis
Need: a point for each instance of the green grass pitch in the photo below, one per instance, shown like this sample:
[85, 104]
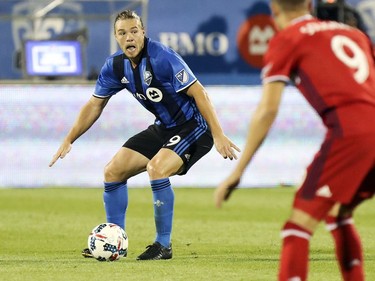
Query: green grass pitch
[42, 232]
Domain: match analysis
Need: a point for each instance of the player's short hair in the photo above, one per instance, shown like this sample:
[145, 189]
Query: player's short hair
[291, 5]
[127, 14]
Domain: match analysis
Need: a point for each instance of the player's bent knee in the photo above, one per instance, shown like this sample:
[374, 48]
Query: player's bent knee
[155, 171]
[108, 173]
[112, 174]
[304, 220]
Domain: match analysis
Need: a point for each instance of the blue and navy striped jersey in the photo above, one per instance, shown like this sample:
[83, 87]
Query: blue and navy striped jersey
[158, 83]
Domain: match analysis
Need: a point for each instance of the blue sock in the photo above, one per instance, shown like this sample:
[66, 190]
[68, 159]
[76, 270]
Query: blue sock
[115, 198]
[163, 210]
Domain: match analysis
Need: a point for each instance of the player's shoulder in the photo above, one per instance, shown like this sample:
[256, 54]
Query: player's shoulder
[158, 51]
[154, 47]
[109, 62]
[110, 58]
[162, 57]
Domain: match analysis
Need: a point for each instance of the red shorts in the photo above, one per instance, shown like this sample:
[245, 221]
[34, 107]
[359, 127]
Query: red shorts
[342, 171]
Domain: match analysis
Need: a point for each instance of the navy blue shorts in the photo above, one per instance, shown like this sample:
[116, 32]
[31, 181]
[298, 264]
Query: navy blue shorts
[190, 141]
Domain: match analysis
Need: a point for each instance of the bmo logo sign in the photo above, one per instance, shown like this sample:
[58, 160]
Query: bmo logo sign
[253, 37]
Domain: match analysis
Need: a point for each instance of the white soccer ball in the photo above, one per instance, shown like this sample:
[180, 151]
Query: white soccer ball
[108, 242]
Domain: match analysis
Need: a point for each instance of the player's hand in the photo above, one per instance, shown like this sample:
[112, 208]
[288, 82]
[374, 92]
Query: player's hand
[226, 147]
[225, 189]
[61, 152]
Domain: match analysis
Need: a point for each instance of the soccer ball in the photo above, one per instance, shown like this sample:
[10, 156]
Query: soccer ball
[108, 242]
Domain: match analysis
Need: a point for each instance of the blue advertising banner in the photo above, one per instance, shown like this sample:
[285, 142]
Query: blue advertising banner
[222, 42]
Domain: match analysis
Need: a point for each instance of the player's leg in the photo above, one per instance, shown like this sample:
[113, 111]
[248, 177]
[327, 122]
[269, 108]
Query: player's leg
[125, 164]
[129, 161]
[298, 230]
[300, 226]
[169, 161]
[184, 147]
[341, 225]
[331, 178]
[165, 164]
[296, 235]
[347, 241]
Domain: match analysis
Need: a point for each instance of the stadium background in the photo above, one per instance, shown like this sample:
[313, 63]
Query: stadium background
[222, 45]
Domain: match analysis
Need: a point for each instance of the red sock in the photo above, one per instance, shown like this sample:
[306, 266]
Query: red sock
[294, 253]
[348, 247]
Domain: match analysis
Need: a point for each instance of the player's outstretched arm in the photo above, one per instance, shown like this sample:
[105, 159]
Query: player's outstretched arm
[87, 116]
[223, 144]
[260, 124]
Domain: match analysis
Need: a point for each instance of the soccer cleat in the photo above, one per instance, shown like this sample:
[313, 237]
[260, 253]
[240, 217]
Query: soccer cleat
[87, 253]
[156, 251]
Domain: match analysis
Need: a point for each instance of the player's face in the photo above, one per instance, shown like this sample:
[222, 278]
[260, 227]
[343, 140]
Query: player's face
[130, 37]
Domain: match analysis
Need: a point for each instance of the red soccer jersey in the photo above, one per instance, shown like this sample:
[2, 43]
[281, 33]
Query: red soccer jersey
[332, 65]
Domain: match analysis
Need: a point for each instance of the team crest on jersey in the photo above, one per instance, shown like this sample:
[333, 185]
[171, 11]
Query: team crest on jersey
[154, 94]
[182, 76]
[147, 77]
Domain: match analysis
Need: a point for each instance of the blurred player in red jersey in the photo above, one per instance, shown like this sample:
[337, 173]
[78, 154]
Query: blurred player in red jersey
[332, 65]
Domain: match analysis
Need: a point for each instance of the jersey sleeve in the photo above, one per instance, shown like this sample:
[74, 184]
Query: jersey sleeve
[107, 83]
[176, 70]
[278, 61]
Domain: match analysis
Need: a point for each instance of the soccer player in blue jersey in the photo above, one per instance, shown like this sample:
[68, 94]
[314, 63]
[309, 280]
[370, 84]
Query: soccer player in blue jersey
[185, 128]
